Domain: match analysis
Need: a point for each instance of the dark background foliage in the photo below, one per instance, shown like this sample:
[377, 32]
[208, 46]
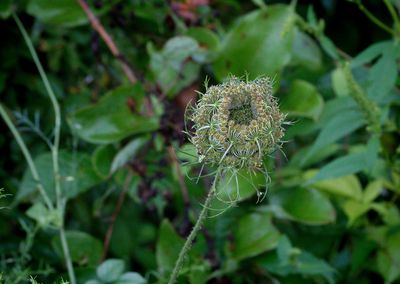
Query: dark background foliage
[331, 212]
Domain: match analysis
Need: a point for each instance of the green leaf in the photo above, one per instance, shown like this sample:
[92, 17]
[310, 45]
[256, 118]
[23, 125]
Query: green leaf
[168, 247]
[351, 163]
[388, 258]
[303, 263]
[305, 205]
[177, 65]
[127, 153]
[369, 54]
[102, 158]
[339, 83]
[328, 46]
[254, 234]
[43, 216]
[372, 191]
[260, 43]
[347, 186]
[302, 100]
[64, 13]
[76, 173]
[355, 209]
[84, 249]
[305, 51]
[236, 187]
[337, 127]
[5, 9]
[110, 270]
[130, 278]
[111, 119]
[383, 74]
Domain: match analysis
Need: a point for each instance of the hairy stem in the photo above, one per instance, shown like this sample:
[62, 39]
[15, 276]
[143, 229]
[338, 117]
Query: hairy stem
[186, 247]
[54, 148]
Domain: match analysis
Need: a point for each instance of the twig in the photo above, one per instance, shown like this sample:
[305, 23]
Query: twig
[98, 27]
[118, 206]
[182, 185]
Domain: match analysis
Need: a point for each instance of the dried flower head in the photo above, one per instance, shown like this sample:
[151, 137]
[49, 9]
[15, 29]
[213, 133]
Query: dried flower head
[237, 123]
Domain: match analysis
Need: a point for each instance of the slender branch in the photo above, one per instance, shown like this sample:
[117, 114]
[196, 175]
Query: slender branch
[186, 247]
[393, 13]
[54, 148]
[181, 180]
[115, 214]
[374, 19]
[27, 155]
[98, 27]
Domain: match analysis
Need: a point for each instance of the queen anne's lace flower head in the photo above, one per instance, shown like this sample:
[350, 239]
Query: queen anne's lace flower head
[237, 123]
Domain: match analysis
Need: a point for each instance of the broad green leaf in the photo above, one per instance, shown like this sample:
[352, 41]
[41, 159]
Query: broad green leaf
[347, 186]
[337, 127]
[130, 278]
[175, 66]
[254, 234]
[305, 51]
[372, 191]
[355, 209]
[84, 249]
[304, 264]
[345, 165]
[110, 270]
[302, 100]
[305, 205]
[260, 43]
[383, 74]
[351, 163]
[369, 54]
[76, 174]
[111, 119]
[205, 37]
[63, 13]
[127, 153]
[168, 247]
[322, 154]
[236, 187]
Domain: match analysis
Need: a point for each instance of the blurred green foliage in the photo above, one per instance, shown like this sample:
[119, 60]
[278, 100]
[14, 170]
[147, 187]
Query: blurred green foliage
[331, 214]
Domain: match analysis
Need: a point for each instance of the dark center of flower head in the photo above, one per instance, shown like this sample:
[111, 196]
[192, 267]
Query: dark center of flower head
[242, 114]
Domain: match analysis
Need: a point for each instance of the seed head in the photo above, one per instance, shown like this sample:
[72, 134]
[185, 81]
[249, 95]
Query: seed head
[237, 123]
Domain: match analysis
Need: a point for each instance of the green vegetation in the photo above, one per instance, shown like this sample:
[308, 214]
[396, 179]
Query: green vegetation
[100, 177]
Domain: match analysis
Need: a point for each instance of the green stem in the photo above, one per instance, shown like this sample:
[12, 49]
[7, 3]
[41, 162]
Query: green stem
[374, 19]
[55, 146]
[27, 155]
[393, 13]
[186, 247]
